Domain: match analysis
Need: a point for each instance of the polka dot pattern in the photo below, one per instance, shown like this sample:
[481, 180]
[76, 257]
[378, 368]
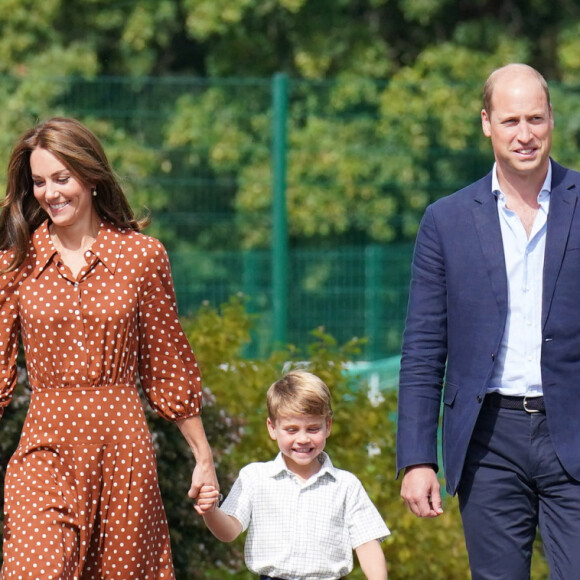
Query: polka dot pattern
[82, 496]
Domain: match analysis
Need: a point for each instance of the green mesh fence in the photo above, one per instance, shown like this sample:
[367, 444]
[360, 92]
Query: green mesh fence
[350, 292]
[198, 154]
[380, 375]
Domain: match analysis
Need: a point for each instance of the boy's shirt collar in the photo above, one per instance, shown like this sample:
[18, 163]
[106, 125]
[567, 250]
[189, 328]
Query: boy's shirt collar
[279, 467]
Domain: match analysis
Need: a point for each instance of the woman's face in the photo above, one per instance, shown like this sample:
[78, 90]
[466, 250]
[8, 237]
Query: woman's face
[66, 200]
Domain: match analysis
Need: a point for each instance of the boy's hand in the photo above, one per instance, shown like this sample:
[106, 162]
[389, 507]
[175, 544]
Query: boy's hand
[207, 499]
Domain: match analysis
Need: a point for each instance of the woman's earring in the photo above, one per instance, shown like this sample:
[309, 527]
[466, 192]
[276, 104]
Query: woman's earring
[94, 192]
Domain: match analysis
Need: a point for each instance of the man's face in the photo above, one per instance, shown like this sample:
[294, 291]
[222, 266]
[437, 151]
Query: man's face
[520, 126]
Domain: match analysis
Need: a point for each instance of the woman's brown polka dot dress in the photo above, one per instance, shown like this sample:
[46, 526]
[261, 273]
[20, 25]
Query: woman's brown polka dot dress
[81, 491]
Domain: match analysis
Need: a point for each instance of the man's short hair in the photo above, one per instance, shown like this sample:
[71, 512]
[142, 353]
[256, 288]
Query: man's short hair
[298, 393]
[491, 80]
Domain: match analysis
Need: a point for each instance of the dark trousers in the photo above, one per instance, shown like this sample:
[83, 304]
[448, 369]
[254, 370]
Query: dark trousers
[512, 484]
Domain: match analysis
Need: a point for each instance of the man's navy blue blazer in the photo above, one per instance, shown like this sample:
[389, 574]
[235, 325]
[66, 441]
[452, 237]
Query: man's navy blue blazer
[456, 318]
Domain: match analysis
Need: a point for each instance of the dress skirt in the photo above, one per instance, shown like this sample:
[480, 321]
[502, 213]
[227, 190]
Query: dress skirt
[82, 496]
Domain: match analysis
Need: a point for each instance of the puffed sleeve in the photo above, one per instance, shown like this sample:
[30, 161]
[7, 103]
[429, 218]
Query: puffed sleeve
[9, 329]
[169, 374]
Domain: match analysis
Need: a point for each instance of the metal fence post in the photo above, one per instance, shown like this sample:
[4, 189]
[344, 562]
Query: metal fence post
[279, 218]
[250, 286]
[373, 313]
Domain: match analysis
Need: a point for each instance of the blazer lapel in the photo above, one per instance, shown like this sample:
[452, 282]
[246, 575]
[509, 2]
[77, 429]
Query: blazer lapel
[489, 232]
[563, 201]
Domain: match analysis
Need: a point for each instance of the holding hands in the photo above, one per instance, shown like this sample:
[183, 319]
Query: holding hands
[207, 499]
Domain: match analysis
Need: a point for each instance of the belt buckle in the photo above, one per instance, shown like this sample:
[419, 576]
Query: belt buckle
[526, 407]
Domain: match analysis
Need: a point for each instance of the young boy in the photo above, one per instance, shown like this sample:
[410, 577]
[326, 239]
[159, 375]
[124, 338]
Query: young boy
[304, 516]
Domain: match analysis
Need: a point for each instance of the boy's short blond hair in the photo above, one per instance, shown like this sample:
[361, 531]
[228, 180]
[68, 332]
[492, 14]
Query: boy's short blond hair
[301, 393]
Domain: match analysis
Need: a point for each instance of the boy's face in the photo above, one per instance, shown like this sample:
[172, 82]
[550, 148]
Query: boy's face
[301, 439]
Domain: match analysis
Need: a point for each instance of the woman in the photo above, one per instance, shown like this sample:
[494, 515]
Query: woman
[94, 301]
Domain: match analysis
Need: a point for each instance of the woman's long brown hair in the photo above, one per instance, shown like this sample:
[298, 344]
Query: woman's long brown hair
[79, 150]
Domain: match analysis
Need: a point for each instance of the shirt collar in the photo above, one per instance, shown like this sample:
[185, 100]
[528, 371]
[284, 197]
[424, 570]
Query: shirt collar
[545, 191]
[107, 246]
[278, 466]
[42, 246]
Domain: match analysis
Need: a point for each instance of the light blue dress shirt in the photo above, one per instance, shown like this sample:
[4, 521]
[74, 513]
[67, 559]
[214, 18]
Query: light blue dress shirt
[517, 371]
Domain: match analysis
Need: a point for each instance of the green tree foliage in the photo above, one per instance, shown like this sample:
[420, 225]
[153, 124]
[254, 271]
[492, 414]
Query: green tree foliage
[387, 122]
[306, 38]
[384, 118]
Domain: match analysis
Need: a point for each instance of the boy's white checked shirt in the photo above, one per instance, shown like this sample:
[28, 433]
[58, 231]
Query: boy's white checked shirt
[302, 530]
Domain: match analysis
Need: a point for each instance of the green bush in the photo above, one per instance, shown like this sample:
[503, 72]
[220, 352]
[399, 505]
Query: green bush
[362, 439]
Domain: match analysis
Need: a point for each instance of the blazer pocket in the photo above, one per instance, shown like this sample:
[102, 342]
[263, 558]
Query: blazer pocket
[449, 393]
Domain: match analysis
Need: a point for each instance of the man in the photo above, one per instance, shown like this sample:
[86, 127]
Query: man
[495, 307]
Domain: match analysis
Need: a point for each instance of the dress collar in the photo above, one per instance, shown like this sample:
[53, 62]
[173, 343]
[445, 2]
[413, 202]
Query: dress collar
[106, 247]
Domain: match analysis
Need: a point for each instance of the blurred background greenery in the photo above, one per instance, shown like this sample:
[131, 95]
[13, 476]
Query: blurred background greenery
[382, 117]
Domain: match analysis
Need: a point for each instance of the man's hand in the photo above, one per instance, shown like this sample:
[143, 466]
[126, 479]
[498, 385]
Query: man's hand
[421, 491]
